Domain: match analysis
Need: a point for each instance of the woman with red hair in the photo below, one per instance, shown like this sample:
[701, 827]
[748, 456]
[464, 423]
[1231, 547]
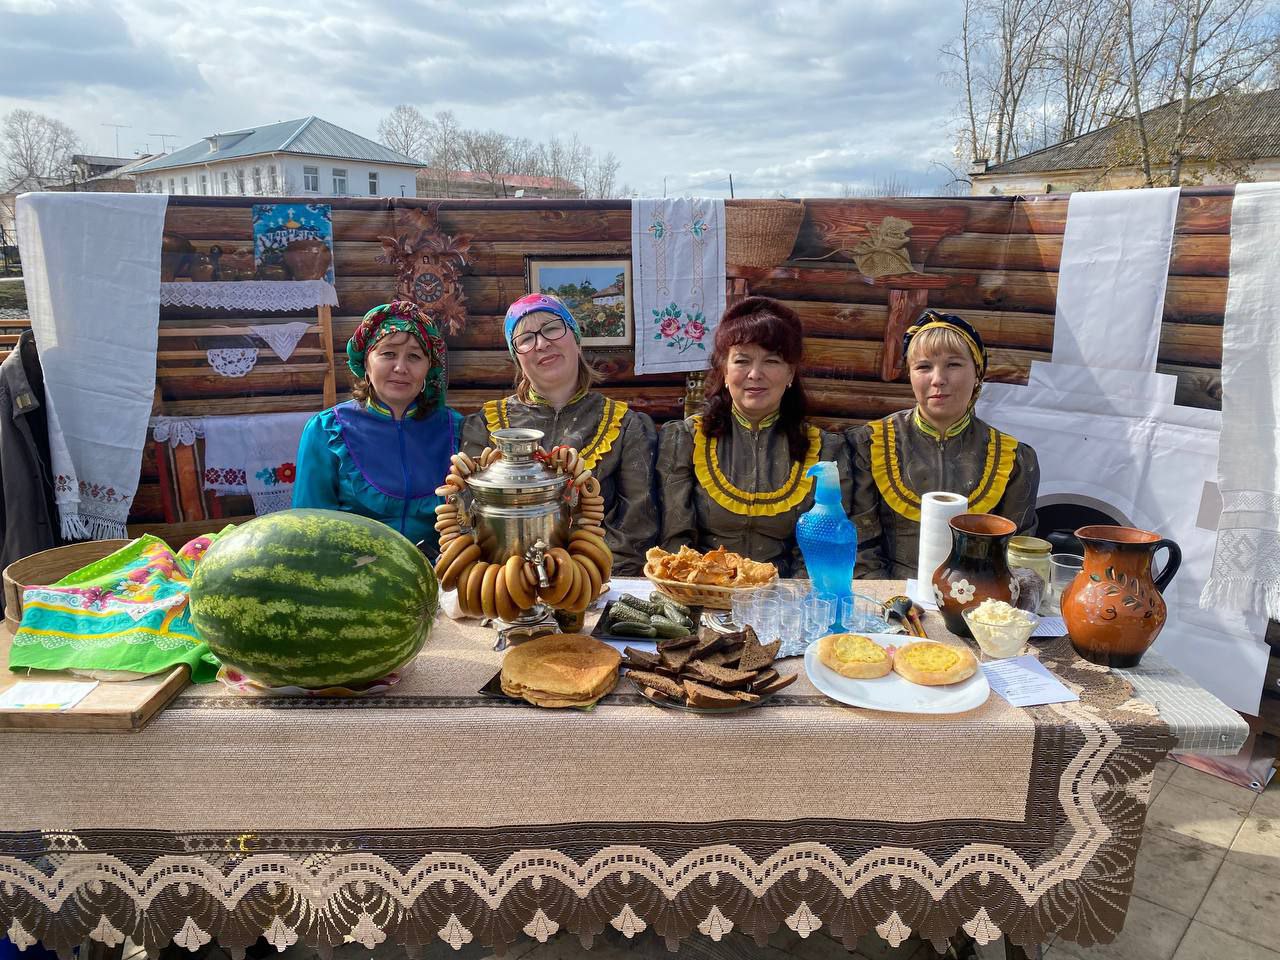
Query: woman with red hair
[735, 476]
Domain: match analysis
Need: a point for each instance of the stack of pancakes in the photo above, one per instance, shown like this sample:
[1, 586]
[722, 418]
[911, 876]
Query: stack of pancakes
[560, 670]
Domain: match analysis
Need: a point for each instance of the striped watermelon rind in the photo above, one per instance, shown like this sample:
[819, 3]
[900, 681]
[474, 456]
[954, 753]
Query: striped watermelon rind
[314, 599]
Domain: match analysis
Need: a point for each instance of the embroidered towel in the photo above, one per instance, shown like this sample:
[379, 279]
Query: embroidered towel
[1111, 280]
[1246, 559]
[91, 264]
[256, 455]
[678, 272]
[121, 617]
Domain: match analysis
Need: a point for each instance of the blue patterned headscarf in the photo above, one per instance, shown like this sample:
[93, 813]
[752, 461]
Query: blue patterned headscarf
[532, 303]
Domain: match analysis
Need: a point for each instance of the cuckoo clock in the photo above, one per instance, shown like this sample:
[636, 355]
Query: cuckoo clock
[429, 266]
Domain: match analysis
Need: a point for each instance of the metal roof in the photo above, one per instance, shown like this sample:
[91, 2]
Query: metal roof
[309, 136]
[1243, 126]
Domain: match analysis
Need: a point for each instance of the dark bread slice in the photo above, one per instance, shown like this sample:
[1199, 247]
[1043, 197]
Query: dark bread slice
[725, 677]
[709, 641]
[675, 660]
[724, 658]
[677, 643]
[701, 695]
[776, 685]
[641, 658]
[763, 678]
[757, 656]
[657, 681]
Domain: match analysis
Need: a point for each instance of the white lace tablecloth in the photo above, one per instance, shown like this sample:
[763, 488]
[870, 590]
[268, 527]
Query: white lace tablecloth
[264, 295]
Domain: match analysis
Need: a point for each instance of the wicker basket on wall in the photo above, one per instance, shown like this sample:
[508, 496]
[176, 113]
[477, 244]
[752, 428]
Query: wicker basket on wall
[761, 233]
[49, 566]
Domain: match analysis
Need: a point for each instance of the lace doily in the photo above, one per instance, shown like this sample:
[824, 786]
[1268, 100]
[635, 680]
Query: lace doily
[271, 501]
[233, 361]
[282, 338]
[177, 431]
[264, 295]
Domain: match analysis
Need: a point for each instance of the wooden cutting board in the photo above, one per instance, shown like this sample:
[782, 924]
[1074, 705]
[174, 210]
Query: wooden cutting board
[123, 707]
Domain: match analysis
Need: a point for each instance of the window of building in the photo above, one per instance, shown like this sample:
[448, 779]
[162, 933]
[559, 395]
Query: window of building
[339, 182]
[204, 184]
[240, 180]
[226, 183]
[171, 189]
[186, 184]
[257, 181]
[311, 179]
[271, 177]
[373, 183]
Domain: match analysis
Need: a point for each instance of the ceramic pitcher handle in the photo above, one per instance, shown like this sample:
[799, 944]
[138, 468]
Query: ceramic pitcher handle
[1171, 565]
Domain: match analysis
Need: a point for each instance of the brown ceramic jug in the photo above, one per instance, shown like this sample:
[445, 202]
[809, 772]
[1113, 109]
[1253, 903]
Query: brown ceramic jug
[307, 259]
[976, 568]
[1113, 608]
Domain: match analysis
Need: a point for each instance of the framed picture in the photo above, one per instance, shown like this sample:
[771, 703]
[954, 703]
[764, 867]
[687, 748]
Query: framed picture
[596, 290]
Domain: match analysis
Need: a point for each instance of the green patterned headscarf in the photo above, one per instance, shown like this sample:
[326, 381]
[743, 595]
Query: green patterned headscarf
[401, 316]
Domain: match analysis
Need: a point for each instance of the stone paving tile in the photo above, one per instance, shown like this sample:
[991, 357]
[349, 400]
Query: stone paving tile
[1151, 932]
[1245, 903]
[1203, 942]
[1175, 875]
[1193, 818]
[1197, 781]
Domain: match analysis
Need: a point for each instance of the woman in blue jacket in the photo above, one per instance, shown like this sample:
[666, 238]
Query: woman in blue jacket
[383, 453]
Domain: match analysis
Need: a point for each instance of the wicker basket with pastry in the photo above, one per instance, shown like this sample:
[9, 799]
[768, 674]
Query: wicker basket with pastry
[705, 579]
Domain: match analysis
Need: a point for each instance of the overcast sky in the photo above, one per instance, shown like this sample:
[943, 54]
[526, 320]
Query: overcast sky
[796, 98]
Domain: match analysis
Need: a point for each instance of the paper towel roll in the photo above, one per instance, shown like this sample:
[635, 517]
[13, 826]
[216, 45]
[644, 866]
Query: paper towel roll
[936, 511]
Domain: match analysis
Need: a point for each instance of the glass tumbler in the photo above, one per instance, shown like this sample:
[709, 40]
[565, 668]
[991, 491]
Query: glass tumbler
[765, 616]
[1063, 568]
[741, 607]
[791, 629]
[818, 615]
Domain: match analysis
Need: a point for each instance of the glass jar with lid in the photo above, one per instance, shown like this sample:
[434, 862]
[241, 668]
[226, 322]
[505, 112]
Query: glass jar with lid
[1030, 552]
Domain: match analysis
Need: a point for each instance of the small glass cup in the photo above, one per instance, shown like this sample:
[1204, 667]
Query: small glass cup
[791, 630]
[818, 615]
[1063, 569]
[741, 607]
[765, 615]
[1000, 641]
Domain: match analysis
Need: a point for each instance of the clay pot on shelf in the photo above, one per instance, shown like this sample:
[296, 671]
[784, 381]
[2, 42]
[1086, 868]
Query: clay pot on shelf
[202, 267]
[272, 271]
[175, 257]
[236, 264]
[1114, 610]
[307, 259]
[976, 569]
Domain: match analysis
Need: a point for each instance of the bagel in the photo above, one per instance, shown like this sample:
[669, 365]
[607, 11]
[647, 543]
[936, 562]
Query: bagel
[587, 543]
[444, 490]
[583, 598]
[448, 526]
[577, 578]
[488, 587]
[589, 503]
[502, 600]
[521, 594]
[468, 556]
[462, 464]
[562, 582]
[447, 538]
[529, 574]
[455, 482]
[581, 478]
[592, 487]
[446, 509]
[463, 578]
[603, 563]
[594, 574]
[474, 579]
[549, 562]
[450, 553]
[591, 513]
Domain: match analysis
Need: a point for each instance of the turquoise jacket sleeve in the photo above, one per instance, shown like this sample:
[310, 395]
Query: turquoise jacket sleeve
[317, 479]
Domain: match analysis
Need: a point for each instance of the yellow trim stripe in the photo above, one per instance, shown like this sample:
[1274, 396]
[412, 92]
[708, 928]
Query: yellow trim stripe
[885, 470]
[94, 638]
[606, 433]
[768, 503]
[495, 414]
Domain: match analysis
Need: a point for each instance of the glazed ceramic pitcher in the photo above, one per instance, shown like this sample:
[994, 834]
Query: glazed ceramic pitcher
[1113, 609]
[976, 568]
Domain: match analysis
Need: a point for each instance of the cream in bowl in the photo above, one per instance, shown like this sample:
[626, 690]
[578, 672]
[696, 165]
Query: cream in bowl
[1000, 629]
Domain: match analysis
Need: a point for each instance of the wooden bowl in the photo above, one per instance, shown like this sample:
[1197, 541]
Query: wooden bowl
[49, 566]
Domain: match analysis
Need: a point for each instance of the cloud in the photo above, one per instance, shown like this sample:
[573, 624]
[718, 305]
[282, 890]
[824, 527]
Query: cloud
[796, 97]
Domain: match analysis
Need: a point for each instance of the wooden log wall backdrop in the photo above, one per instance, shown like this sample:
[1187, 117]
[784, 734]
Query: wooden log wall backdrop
[992, 259]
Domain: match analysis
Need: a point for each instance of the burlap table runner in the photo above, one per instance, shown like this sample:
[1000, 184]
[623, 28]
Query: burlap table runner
[430, 812]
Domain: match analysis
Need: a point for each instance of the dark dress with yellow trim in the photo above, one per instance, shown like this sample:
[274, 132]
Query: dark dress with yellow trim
[741, 491]
[618, 445]
[900, 458]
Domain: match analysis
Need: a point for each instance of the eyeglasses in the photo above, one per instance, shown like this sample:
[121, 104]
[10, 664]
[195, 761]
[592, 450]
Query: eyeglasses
[551, 330]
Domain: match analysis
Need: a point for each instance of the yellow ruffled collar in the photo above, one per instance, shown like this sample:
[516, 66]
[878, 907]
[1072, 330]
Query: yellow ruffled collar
[929, 430]
[746, 424]
[751, 503]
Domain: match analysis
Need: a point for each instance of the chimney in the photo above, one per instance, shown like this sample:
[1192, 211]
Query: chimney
[978, 166]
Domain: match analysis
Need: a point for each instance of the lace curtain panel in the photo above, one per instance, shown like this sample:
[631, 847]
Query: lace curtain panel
[265, 295]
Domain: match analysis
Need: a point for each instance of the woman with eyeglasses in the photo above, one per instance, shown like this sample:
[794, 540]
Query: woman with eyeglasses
[938, 445]
[382, 453]
[734, 477]
[553, 394]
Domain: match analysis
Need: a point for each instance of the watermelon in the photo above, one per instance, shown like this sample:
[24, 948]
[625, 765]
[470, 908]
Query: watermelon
[314, 598]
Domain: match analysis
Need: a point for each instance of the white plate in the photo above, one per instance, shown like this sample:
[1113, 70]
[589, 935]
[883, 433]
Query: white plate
[892, 693]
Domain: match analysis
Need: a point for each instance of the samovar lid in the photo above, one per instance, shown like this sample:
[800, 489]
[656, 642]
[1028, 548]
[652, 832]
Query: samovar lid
[517, 468]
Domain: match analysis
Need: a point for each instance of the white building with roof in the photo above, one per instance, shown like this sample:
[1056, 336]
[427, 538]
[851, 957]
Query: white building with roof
[308, 157]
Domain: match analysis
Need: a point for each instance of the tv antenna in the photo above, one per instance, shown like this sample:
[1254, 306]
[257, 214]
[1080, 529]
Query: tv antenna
[164, 146]
[119, 127]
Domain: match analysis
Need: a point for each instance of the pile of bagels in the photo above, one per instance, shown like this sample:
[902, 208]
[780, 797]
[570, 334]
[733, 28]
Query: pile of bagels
[576, 571]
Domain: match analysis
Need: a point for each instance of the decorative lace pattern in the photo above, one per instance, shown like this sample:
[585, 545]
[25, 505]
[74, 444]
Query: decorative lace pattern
[233, 361]
[282, 338]
[177, 431]
[266, 295]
